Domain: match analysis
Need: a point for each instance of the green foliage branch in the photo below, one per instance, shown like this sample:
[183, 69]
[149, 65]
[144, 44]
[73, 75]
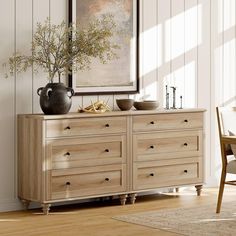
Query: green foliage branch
[62, 49]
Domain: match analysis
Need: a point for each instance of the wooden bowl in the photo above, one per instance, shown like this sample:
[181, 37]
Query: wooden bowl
[125, 104]
[146, 105]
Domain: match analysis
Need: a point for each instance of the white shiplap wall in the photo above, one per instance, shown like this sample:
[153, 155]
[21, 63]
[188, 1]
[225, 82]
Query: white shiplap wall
[178, 46]
[223, 72]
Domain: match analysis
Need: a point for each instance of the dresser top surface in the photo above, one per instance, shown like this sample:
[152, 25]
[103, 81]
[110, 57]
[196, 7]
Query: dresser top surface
[112, 113]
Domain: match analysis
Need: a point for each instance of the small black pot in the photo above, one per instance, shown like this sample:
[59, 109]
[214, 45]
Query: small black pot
[55, 98]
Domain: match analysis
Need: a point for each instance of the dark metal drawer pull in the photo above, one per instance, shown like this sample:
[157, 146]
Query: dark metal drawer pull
[186, 121]
[152, 147]
[107, 179]
[152, 122]
[185, 171]
[67, 183]
[68, 127]
[67, 154]
[185, 144]
[107, 150]
[107, 125]
[152, 174]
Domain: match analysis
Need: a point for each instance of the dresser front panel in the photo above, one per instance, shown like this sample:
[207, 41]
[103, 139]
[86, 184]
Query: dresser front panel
[167, 145]
[85, 126]
[149, 175]
[78, 156]
[167, 121]
[87, 181]
[79, 152]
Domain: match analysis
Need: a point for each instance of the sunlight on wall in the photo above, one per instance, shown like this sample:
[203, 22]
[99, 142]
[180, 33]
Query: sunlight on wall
[151, 91]
[229, 72]
[180, 32]
[180, 36]
[229, 15]
[151, 48]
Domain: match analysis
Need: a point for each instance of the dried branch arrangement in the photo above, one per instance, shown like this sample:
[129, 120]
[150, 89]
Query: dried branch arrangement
[61, 49]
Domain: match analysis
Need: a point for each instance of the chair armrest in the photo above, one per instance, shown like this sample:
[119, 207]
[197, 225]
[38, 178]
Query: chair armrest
[228, 139]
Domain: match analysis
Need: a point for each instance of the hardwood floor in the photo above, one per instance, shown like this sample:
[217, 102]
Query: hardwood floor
[95, 218]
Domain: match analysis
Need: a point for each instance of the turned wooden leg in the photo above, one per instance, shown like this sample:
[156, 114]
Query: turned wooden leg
[176, 190]
[25, 203]
[198, 189]
[123, 199]
[46, 208]
[221, 190]
[133, 198]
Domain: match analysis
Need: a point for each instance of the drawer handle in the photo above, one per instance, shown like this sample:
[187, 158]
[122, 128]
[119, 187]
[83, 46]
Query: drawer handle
[68, 127]
[186, 121]
[107, 125]
[67, 183]
[152, 174]
[152, 147]
[185, 144]
[107, 150]
[152, 122]
[67, 154]
[185, 171]
[107, 179]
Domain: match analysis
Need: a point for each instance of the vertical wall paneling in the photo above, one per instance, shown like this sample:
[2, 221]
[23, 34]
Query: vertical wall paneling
[40, 79]
[23, 83]
[204, 73]
[23, 45]
[191, 56]
[56, 17]
[178, 48]
[7, 103]
[164, 69]
[149, 49]
[229, 53]
[216, 84]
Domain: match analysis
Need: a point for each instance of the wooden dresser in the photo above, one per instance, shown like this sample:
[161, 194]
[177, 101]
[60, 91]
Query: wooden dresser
[77, 156]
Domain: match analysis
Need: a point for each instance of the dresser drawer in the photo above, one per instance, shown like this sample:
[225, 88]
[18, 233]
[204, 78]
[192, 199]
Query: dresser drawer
[148, 175]
[85, 126]
[80, 152]
[167, 121]
[87, 181]
[167, 145]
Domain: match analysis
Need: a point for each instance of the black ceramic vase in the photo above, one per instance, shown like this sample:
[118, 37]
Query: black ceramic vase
[55, 98]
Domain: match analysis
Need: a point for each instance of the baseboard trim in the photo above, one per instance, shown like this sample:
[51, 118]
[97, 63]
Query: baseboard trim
[10, 205]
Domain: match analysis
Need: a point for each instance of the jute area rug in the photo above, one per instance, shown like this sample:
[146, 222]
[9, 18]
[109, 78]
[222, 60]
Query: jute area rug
[196, 221]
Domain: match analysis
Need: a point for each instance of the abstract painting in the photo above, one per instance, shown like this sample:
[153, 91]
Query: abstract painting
[119, 75]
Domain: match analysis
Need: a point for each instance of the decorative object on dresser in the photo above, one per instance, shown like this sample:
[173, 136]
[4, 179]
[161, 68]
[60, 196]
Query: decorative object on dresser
[125, 104]
[57, 55]
[80, 155]
[96, 107]
[146, 105]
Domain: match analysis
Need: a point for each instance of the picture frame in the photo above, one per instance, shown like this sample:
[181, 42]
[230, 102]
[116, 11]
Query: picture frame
[118, 76]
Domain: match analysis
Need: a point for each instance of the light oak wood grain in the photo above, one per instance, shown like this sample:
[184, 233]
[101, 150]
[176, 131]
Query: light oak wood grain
[76, 156]
[167, 122]
[79, 152]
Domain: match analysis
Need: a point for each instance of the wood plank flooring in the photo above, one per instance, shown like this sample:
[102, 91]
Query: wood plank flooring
[95, 218]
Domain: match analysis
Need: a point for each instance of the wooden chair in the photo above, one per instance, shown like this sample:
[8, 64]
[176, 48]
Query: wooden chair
[226, 118]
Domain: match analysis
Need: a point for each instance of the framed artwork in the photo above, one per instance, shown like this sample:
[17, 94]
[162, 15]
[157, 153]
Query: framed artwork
[120, 75]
